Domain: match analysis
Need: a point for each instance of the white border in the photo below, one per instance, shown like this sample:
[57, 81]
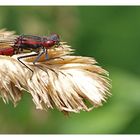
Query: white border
[69, 2]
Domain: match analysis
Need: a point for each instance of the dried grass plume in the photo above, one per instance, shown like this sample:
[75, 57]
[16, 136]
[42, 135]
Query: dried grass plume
[66, 82]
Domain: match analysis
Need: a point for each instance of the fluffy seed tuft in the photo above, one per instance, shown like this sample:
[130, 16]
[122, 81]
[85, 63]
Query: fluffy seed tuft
[65, 81]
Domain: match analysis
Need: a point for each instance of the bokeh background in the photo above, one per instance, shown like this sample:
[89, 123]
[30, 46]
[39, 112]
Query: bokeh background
[109, 34]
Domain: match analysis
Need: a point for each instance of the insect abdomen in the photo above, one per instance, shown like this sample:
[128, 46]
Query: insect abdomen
[7, 51]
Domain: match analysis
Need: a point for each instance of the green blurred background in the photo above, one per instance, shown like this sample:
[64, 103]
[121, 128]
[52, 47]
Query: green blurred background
[109, 34]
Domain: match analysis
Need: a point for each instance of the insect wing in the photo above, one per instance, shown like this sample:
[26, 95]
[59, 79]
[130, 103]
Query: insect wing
[29, 39]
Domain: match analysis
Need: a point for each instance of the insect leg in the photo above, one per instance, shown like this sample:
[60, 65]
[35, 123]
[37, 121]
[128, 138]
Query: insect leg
[47, 57]
[25, 56]
[37, 58]
[39, 55]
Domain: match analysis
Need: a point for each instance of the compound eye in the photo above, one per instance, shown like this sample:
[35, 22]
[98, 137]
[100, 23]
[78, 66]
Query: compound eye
[55, 37]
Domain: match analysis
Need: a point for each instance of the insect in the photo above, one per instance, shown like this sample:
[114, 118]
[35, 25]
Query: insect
[38, 44]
